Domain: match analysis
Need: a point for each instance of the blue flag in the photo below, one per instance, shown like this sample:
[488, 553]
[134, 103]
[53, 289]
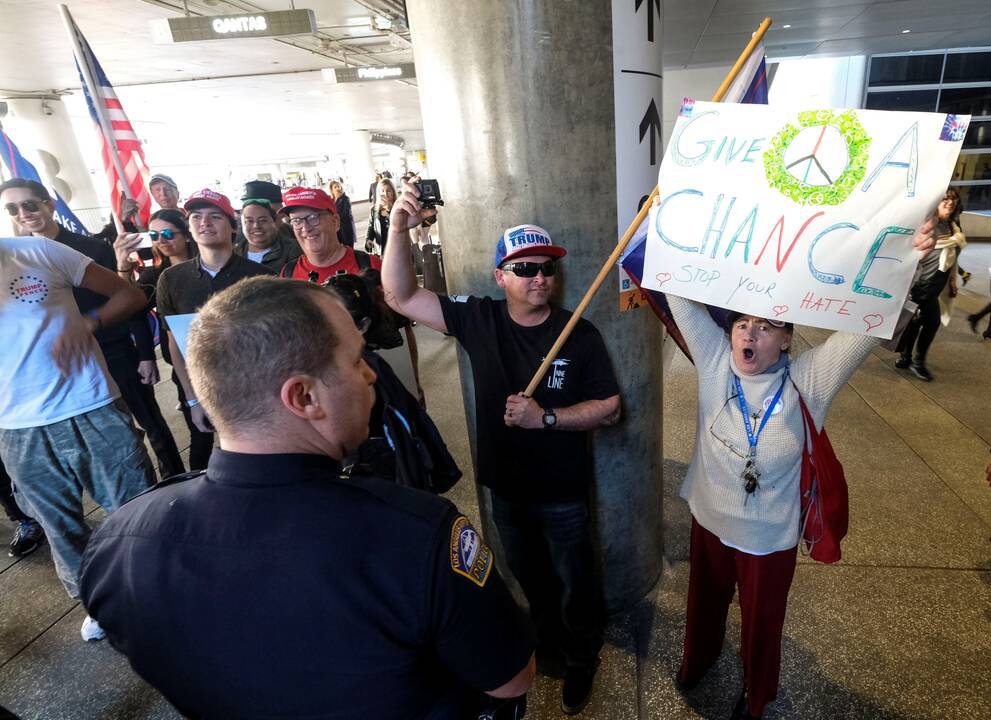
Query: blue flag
[19, 167]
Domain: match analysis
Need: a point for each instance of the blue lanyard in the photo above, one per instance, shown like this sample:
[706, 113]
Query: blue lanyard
[746, 411]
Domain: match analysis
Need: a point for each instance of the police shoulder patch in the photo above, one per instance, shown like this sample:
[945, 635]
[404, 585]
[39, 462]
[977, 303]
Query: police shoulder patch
[469, 555]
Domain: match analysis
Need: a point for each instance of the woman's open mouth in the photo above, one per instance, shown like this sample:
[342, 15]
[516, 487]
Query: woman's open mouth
[748, 354]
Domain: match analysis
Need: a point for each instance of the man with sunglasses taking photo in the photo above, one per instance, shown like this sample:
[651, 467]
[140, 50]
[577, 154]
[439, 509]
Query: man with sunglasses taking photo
[532, 453]
[132, 367]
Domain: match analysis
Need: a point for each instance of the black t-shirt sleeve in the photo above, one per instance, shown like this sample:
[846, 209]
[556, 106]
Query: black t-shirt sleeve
[598, 378]
[462, 314]
[478, 632]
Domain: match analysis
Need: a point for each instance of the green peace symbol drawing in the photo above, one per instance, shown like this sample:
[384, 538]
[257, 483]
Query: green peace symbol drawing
[857, 144]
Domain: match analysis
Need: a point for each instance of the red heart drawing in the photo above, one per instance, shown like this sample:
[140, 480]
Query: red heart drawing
[779, 310]
[873, 320]
[662, 278]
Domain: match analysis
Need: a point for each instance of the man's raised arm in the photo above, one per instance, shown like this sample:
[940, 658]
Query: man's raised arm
[402, 292]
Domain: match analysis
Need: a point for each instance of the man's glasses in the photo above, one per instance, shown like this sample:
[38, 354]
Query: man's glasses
[163, 234]
[530, 269]
[26, 205]
[313, 219]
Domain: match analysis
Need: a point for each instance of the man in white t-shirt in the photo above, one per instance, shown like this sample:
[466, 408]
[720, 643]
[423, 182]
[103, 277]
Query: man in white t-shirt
[63, 427]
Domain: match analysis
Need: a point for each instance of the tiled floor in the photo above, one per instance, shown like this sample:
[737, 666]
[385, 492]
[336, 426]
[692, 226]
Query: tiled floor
[901, 629]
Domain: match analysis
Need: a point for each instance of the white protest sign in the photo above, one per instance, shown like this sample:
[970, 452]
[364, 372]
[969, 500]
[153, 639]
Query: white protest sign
[179, 326]
[799, 216]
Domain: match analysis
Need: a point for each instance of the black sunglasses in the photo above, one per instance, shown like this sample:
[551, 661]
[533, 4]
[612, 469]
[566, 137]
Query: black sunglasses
[526, 269]
[28, 205]
[164, 234]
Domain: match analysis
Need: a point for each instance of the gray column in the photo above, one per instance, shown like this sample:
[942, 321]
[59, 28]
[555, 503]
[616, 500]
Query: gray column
[517, 104]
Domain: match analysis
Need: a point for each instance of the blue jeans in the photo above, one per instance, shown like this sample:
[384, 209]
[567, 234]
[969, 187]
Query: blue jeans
[99, 452]
[548, 548]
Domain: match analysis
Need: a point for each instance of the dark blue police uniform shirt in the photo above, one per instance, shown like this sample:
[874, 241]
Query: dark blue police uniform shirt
[271, 586]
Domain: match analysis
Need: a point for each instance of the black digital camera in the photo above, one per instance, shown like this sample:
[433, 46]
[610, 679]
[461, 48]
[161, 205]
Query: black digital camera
[429, 197]
[429, 193]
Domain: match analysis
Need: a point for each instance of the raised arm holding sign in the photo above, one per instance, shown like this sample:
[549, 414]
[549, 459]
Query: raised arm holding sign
[804, 217]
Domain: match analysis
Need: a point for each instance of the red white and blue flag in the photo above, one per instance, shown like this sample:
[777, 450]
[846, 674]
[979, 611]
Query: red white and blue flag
[117, 136]
[749, 86]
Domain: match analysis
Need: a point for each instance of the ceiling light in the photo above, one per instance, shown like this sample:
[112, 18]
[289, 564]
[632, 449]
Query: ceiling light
[906, 32]
[383, 23]
[365, 21]
[785, 27]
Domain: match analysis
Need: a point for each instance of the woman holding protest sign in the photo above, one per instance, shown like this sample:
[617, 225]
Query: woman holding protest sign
[934, 288]
[743, 483]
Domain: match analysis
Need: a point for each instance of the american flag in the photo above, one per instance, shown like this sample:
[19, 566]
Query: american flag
[109, 117]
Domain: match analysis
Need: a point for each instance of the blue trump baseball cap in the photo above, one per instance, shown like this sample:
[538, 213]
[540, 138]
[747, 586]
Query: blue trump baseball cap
[526, 240]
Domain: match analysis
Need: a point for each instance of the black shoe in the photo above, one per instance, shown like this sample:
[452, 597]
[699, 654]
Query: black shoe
[685, 686]
[577, 688]
[966, 277]
[551, 662]
[741, 711]
[920, 371]
[27, 538]
[972, 321]
[903, 362]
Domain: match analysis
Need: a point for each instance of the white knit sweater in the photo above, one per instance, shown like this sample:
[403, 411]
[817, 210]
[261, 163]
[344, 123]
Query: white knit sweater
[769, 520]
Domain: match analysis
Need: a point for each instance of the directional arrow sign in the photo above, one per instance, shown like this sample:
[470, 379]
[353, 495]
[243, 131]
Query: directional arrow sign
[651, 125]
[652, 5]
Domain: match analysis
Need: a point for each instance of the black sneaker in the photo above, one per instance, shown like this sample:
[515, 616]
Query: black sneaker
[903, 362]
[577, 688]
[27, 538]
[966, 277]
[920, 371]
[742, 710]
[972, 321]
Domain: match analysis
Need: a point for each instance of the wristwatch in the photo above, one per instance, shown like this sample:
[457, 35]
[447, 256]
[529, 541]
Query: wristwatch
[550, 419]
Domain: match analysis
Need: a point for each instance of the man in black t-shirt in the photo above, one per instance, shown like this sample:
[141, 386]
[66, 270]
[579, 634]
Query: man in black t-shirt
[277, 585]
[531, 452]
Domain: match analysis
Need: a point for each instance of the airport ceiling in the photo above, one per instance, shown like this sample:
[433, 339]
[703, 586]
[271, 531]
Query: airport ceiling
[282, 75]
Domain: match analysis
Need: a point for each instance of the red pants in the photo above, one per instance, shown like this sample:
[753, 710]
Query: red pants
[764, 580]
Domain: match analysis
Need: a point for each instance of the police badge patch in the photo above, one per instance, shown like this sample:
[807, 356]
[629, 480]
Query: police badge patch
[469, 555]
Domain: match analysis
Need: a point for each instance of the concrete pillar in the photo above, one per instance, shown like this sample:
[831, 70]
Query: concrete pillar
[360, 166]
[517, 104]
[43, 131]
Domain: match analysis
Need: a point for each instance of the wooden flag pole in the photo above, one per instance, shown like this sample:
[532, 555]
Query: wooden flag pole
[613, 258]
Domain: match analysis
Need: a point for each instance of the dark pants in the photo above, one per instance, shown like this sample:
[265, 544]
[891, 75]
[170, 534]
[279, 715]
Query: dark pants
[978, 316]
[200, 443]
[764, 580]
[548, 548]
[14, 513]
[140, 400]
[922, 328]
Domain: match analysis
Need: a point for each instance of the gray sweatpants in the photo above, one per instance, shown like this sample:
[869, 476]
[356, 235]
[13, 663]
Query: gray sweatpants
[99, 452]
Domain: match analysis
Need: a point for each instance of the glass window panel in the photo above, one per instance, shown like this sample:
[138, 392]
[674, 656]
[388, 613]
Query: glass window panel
[975, 197]
[978, 136]
[966, 101]
[918, 100]
[975, 166]
[968, 67]
[906, 70]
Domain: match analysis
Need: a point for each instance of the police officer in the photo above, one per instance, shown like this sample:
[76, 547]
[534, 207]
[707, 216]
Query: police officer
[274, 584]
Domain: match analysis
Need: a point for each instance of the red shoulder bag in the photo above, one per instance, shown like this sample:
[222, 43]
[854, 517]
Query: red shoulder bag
[824, 497]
